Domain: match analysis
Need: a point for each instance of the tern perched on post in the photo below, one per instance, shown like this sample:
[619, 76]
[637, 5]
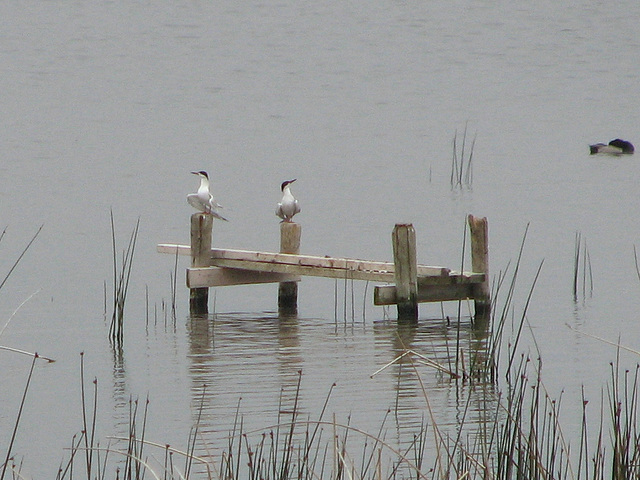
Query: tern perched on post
[203, 201]
[288, 206]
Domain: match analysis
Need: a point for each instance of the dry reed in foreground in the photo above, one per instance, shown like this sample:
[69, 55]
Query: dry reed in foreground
[519, 437]
[522, 438]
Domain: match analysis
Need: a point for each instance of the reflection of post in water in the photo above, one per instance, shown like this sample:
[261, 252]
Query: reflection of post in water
[462, 352]
[201, 336]
[289, 360]
[200, 330]
[423, 371]
[224, 377]
[120, 392]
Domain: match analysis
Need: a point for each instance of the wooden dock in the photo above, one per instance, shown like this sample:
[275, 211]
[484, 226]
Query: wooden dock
[408, 283]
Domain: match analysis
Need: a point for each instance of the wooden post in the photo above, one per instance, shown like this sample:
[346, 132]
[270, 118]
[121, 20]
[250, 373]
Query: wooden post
[201, 232]
[406, 271]
[479, 229]
[290, 234]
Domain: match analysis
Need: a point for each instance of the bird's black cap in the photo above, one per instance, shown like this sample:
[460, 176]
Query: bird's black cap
[284, 184]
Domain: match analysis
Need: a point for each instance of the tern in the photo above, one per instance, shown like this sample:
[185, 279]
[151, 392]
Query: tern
[203, 201]
[288, 206]
[615, 147]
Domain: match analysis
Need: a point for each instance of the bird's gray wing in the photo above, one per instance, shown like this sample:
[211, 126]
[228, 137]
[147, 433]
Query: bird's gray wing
[195, 202]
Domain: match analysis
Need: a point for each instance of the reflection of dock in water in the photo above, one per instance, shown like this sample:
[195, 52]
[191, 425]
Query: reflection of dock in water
[242, 368]
[263, 371]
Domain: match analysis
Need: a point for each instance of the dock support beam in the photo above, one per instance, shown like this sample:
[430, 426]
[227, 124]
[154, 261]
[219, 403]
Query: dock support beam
[406, 271]
[290, 234]
[479, 229]
[201, 232]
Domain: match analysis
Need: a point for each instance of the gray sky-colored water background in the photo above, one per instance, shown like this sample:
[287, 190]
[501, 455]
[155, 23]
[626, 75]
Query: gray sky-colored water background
[108, 105]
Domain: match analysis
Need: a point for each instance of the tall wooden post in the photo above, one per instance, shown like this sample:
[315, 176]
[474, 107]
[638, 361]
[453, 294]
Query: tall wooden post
[479, 229]
[406, 271]
[290, 234]
[201, 232]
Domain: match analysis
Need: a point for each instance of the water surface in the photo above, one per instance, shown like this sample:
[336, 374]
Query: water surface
[110, 106]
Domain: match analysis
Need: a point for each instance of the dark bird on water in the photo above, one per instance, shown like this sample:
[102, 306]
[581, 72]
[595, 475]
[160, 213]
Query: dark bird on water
[615, 147]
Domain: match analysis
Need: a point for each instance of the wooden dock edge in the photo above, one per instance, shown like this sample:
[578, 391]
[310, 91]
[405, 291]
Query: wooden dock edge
[412, 283]
[458, 287]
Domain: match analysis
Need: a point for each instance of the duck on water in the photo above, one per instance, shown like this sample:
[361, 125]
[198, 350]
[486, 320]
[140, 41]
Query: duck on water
[615, 147]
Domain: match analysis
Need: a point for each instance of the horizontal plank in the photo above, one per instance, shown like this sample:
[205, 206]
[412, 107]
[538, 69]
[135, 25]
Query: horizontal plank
[454, 278]
[303, 264]
[222, 277]
[172, 248]
[386, 294]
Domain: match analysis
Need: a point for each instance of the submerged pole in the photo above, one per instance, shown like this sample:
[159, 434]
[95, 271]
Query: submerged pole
[406, 271]
[290, 234]
[479, 229]
[201, 233]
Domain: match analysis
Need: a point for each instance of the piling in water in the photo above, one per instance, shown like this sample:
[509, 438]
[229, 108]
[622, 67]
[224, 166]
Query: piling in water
[290, 234]
[201, 233]
[406, 271]
[479, 229]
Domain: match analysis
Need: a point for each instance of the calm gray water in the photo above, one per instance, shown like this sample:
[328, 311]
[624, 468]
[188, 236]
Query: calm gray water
[109, 105]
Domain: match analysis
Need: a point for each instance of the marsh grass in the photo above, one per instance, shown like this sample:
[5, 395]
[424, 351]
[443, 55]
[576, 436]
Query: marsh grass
[121, 277]
[635, 258]
[9, 462]
[4, 281]
[8, 457]
[462, 160]
[517, 433]
[520, 438]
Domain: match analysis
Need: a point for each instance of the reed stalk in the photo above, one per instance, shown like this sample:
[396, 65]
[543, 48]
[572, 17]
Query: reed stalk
[24, 251]
[583, 258]
[18, 418]
[461, 166]
[635, 258]
[121, 277]
[174, 286]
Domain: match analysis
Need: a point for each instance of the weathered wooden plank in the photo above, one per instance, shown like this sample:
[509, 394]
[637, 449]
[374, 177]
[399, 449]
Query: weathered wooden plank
[386, 294]
[454, 278]
[221, 255]
[200, 277]
[222, 277]
[304, 270]
[335, 267]
[171, 248]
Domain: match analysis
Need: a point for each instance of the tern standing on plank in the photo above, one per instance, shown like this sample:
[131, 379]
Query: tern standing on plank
[203, 201]
[288, 206]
